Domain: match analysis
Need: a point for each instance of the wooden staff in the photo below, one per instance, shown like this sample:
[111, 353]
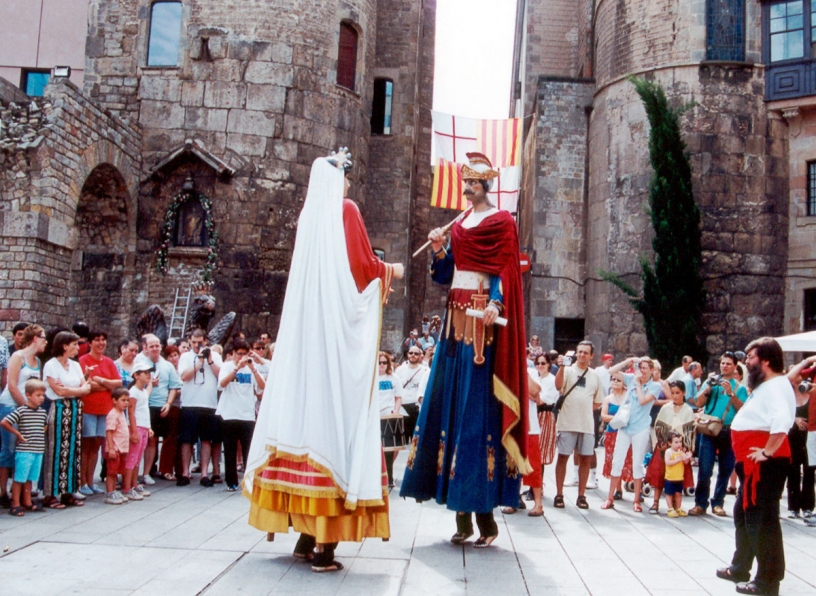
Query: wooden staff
[444, 230]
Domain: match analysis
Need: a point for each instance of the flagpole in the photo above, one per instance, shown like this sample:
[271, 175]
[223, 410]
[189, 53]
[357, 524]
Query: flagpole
[445, 229]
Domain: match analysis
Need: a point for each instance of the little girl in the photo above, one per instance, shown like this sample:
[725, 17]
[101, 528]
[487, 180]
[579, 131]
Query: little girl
[139, 416]
[675, 469]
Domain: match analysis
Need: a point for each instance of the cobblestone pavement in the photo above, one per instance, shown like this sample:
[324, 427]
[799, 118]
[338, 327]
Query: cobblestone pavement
[196, 540]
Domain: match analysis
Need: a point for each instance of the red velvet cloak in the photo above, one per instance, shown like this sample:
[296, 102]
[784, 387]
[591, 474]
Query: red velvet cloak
[493, 247]
[365, 266]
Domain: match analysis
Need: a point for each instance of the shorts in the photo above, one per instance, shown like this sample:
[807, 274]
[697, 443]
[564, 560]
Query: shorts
[640, 443]
[93, 425]
[568, 441]
[8, 440]
[116, 465]
[672, 487]
[160, 426]
[199, 424]
[27, 466]
[134, 456]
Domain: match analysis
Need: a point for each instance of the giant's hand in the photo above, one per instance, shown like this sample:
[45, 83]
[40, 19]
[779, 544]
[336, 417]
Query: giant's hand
[490, 314]
[437, 238]
[399, 270]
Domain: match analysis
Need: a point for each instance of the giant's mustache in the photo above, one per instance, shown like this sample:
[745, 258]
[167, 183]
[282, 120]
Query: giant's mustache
[467, 191]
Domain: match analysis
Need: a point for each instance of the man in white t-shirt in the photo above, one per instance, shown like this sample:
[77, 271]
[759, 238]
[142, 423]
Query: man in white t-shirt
[413, 376]
[679, 372]
[199, 369]
[580, 389]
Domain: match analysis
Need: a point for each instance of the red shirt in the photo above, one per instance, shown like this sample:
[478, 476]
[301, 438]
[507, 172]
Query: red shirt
[98, 403]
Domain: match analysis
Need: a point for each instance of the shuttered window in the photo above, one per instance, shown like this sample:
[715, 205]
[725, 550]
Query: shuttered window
[347, 56]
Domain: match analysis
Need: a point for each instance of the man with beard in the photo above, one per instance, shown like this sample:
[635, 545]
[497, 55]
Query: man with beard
[760, 437]
[469, 447]
[722, 399]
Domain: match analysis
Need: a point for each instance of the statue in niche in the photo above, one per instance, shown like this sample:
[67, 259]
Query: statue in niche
[190, 228]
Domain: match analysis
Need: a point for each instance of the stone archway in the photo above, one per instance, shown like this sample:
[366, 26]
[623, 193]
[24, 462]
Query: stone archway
[100, 270]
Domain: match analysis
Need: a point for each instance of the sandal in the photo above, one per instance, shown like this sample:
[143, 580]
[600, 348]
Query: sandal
[460, 537]
[637, 507]
[558, 501]
[655, 509]
[581, 503]
[53, 503]
[216, 479]
[608, 504]
[17, 511]
[169, 477]
[36, 507]
[535, 513]
[508, 510]
[72, 501]
[484, 541]
[726, 574]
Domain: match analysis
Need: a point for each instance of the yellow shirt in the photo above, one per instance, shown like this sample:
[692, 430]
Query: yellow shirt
[674, 465]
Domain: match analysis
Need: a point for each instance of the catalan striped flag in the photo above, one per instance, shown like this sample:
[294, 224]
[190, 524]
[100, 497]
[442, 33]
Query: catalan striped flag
[448, 187]
[500, 141]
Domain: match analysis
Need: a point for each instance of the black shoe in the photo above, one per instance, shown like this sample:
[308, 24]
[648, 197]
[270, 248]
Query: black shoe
[753, 588]
[725, 573]
[183, 481]
[5, 502]
[205, 482]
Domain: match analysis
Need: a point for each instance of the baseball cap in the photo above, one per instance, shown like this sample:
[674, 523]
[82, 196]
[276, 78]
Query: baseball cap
[141, 366]
[607, 357]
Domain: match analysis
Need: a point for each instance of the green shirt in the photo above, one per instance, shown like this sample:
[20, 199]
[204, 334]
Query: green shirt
[718, 401]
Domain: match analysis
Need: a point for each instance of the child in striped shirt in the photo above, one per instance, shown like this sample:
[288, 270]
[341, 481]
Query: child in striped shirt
[30, 421]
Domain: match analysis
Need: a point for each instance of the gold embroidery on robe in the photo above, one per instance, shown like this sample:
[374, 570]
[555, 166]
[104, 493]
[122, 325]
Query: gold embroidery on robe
[453, 463]
[440, 458]
[412, 452]
[491, 463]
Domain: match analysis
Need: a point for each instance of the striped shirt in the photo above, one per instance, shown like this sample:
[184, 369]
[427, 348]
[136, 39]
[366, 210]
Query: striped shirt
[31, 424]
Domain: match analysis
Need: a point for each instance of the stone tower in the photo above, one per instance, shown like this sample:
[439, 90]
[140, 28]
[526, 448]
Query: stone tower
[588, 184]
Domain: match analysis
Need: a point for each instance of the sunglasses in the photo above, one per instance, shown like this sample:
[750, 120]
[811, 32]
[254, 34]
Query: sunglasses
[415, 353]
[541, 364]
[617, 380]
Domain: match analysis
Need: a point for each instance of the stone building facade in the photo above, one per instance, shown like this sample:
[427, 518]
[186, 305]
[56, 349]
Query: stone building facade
[588, 215]
[252, 99]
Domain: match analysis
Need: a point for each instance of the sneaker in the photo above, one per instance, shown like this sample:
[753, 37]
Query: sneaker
[811, 521]
[719, 512]
[148, 480]
[697, 510]
[121, 496]
[573, 482]
[86, 490]
[234, 487]
[682, 512]
[79, 496]
[592, 482]
[133, 495]
[96, 490]
[142, 490]
[793, 514]
[673, 513]
[113, 499]
[805, 514]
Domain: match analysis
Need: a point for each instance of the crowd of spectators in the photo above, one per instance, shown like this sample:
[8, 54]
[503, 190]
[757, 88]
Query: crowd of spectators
[65, 402]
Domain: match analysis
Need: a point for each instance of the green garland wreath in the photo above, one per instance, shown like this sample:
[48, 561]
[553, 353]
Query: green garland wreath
[169, 225]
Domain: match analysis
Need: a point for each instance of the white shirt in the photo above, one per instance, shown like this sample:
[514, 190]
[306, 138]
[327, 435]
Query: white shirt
[201, 391]
[535, 428]
[771, 407]
[411, 390]
[142, 410]
[389, 389]
[72, 377]
[238, 397]
[605, 377]
[549, 394]
[677, 374]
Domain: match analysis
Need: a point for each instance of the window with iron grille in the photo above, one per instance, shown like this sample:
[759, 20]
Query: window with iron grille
[347, 56]
[725, 30]
[811, 188]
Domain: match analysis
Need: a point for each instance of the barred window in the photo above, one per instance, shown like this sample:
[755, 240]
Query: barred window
[165, 34]
[811, 188]
[725, 30]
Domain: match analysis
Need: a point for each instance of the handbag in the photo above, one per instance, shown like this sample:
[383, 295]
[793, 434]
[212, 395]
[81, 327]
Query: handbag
[710, 425]
[621, 417]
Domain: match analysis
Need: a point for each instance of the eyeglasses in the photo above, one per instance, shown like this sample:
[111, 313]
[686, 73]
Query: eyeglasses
[617, 380]
[541, 364]
[415, 353]
[383, 364]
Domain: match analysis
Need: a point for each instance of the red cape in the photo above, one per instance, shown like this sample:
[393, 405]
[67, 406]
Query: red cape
[493, 247]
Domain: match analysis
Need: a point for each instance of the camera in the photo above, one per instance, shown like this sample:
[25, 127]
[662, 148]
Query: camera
[806, 384]
[205, 353]
[715, 379]
[569, 358]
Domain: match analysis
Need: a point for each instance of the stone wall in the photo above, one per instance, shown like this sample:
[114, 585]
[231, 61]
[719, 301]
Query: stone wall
[559, 208]
[49, 150]
[739, 181]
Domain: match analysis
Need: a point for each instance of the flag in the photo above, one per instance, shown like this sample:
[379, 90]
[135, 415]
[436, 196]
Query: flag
[448, 188]
[500, 141]
[505, 192]
[454, 137]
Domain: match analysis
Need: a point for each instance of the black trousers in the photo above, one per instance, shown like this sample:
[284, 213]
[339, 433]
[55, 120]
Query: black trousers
[801, 495]
[758, 531]
[484, 521]
[234, 432]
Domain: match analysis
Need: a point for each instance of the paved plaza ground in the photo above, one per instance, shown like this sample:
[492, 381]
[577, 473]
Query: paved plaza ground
[196, 540]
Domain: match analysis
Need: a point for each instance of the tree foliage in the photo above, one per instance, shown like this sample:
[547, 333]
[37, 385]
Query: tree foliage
[673, 295]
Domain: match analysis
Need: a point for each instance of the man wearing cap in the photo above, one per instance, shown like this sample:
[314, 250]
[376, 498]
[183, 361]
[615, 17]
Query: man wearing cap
[603, 373]
[469, 448]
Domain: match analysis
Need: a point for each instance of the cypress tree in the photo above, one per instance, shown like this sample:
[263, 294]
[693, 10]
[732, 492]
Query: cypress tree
[673, 294]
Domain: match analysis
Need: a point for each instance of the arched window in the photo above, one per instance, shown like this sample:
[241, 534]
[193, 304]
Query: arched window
[725, 30]
[165, 34]
[347, 56]
[381, 107]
